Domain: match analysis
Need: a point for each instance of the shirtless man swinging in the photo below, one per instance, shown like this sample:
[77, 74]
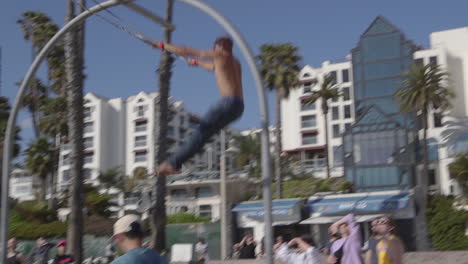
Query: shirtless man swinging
[229, 108]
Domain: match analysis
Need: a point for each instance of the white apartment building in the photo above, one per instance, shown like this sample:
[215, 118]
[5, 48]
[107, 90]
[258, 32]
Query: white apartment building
[22, 185]
[118, 133]
[196, 192]
[303, 131]
[303, 134]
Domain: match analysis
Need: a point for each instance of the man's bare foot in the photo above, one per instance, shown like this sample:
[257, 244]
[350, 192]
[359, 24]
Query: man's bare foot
[166, 169]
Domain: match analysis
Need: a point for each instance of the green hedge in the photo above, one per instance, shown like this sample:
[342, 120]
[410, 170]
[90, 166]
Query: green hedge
[182, 218]
[24, 229]
[446, 224]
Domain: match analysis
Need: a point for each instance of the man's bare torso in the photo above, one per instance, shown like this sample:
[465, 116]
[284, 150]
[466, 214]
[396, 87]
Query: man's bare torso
[228, 74]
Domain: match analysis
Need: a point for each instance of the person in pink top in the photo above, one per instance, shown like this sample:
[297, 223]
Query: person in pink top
[346, 250]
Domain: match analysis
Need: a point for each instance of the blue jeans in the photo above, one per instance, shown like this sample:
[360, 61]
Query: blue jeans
[227, 110]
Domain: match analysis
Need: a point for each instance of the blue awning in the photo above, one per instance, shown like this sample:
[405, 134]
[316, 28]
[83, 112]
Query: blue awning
[284, 207]
[364, 203]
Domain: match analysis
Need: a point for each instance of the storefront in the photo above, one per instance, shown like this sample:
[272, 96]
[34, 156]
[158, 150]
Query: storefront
[286, 213]
[325, 210]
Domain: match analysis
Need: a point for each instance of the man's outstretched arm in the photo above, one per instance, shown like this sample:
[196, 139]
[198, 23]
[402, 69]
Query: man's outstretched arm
[207, 65]
[184, 50]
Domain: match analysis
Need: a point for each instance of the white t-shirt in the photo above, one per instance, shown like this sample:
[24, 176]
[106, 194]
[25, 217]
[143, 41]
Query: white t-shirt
[311, 256]
[202, 250]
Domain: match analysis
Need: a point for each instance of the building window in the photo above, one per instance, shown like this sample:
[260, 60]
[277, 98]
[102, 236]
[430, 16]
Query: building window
[345, 75]
[335, 99]
[141, 110]
[203, 192]
[179, 194]
[336, 131]
[181, 133]
[88, 142]
[347, 111]
[333, 76]
[204, 211]
[309, 138]
[87, 112]
[86, 174]
[66, 160]
[418, 62]
[140, 156]
[306, 107]
[170, 131]
[451, 189]
[307, 87]
[140, 126]
[335, 113]
[182, 120]
[433, 61]
[432, 177]
[88, 158]
[140, 141]
[308, 121]
[23, 189]
[438, 120]
[346, 95]
[66, 176]
[88, 127]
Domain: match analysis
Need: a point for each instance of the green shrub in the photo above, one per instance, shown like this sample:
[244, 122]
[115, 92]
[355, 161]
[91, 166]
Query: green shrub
[182, 218]
[446, 224]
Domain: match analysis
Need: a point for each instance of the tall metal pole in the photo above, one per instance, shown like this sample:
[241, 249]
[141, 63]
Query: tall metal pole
[266, 163]
[223, 192]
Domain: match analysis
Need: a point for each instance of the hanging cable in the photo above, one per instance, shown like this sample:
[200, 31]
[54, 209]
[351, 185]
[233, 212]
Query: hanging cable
[133, 31]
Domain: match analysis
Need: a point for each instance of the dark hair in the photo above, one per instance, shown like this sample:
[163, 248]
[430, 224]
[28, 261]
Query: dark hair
[136, 231]
[308, 239]
[225, 42]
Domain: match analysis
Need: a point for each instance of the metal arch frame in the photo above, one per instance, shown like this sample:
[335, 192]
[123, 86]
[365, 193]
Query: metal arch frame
[264, 115]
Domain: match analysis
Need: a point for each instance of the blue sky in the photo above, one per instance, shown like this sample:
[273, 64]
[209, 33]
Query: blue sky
[119, 66]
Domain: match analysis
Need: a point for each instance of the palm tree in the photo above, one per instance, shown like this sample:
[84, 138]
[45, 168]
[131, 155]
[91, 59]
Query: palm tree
[160, 144]
[327, 91]
[422, 89]
[74, 74]
[249, 152]
[280, 70]
[39, 160]
[38, 28]
[459, 168]
[110, 178]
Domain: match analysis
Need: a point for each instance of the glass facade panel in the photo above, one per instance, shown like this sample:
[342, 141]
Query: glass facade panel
[384, 69]
[381, 47]
[384, 87]
[374, 148]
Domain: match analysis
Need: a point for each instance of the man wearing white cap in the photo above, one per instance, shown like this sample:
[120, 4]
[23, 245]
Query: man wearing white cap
[128, 237]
